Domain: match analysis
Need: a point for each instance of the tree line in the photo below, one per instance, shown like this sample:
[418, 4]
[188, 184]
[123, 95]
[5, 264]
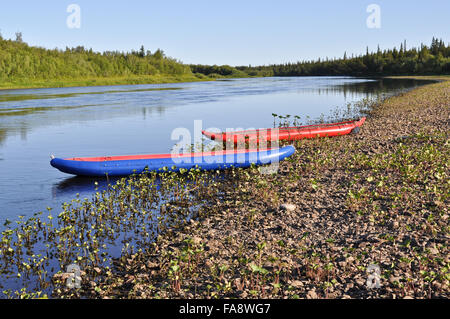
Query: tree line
[19, 61]
[433, 59]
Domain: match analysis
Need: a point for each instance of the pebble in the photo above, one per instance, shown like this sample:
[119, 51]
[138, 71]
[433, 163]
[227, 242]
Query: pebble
[361, 281]
[350, 259]
[311, 294]
[297, 284]
[288, 207]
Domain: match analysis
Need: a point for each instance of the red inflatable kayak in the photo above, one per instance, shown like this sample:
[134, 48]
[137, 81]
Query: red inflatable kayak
[288, 133]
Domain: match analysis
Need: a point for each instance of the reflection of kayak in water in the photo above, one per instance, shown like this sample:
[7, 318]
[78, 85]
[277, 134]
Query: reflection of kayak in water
[288, 133]
[81, 185]
[135, 164]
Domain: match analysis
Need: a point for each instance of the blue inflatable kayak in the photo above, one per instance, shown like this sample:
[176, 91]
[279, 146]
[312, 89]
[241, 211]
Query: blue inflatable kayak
[134, 164]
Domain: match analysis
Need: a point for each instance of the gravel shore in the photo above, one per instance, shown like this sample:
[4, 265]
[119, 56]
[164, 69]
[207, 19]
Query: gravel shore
[338, 209]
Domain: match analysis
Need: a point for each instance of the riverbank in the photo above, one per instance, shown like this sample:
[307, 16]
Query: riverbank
[377, 198]
[422, 77]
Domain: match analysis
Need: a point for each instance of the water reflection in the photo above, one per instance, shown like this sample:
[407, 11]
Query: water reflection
[71, 186]
[380, 86]
[65, 107]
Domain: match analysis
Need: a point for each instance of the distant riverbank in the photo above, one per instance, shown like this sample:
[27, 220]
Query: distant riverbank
[422, 77]
[103, 81]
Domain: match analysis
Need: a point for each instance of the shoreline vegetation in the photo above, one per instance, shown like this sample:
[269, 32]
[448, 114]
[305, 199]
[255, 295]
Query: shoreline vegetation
[312, 230]
[23, 66]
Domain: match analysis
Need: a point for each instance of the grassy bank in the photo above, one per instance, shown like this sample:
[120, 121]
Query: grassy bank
[99, 81]
[379, 197]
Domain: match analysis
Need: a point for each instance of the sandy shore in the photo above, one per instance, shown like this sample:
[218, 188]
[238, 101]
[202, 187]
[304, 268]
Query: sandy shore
[376, 201]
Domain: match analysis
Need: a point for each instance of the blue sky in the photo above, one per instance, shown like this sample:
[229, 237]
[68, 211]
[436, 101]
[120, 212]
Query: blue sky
[228, 32]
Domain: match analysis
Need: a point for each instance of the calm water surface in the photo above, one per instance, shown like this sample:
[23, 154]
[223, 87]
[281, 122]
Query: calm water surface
[139, 119]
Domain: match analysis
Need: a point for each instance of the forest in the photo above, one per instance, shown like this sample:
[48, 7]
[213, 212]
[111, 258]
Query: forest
[217, 71]
[425, 60]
